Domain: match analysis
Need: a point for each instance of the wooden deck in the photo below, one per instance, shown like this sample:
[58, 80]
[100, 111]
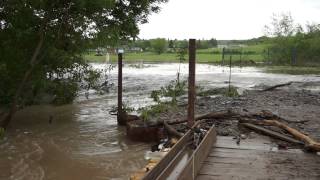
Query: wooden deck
[257, 158]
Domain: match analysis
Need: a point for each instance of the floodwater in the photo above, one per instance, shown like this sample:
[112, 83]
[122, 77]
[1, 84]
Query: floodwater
[84, 142]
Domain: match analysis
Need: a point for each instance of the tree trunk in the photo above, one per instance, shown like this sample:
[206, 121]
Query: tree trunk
[7, 118]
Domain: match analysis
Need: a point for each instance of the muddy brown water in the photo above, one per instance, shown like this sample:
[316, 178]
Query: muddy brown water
[84, 142]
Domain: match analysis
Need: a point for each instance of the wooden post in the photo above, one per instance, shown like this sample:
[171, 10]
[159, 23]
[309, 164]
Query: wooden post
[269, 62]
[191, 91]
[230, 66]
[120, 111]
[241, 58]
[293, 56]
[223, 54]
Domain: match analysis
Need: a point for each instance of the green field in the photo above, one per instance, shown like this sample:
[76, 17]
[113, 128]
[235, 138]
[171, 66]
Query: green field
[250, 53]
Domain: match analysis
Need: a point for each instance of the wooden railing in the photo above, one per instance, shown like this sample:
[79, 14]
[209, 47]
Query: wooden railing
[199, 155]
[189, 171]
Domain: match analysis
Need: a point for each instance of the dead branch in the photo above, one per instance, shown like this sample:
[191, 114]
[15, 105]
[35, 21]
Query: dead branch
[277, 86]
[309, 142]
[212, 115]
[267, 115]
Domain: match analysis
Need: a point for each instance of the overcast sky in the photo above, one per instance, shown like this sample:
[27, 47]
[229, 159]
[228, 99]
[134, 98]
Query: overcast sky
[224, 19]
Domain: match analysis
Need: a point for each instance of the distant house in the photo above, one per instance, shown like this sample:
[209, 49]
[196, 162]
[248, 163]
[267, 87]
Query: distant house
[232, 46]
[135, 49]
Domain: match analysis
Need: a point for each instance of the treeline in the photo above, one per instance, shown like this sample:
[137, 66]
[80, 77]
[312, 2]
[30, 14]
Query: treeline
[253, 41]
[161, 45]
[285, 42]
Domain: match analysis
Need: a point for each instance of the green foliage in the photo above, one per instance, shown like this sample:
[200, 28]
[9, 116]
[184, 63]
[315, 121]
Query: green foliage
[232, 92]
[282, 25]
[174, 89]
[127, 108]
[183, 44]
[171, 44]
[91, 79]
[153, 111]
[64, 91]
[182, 52]
[143, 44]
[205, 44]
[181, 55]
[212, 43]
[202, 44]
[159, 45]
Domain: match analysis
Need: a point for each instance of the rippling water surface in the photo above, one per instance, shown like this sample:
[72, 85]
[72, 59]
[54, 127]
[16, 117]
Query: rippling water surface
[84, 141]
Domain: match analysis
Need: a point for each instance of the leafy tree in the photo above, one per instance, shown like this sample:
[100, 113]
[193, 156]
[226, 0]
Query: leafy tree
[291, 44]
[213, 42]
[42, 43]
[202, 44]
[159, 45]
[282, 25]
[143, 44]
[183, 44]
[171, 44]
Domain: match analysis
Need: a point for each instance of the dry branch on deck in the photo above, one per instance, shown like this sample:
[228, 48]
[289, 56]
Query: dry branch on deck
[309, 142]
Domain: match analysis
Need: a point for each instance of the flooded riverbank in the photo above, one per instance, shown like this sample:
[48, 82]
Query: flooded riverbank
[84, 142]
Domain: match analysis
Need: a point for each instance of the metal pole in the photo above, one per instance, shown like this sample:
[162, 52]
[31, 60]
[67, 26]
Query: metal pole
[192, 91]
[119, 116]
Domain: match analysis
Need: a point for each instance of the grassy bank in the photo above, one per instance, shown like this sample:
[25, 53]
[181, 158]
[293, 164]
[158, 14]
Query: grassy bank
[213, 55]
[171, 57]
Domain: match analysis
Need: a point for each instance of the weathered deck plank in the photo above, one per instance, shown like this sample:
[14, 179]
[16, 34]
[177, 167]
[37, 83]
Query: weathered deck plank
[257, 159]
